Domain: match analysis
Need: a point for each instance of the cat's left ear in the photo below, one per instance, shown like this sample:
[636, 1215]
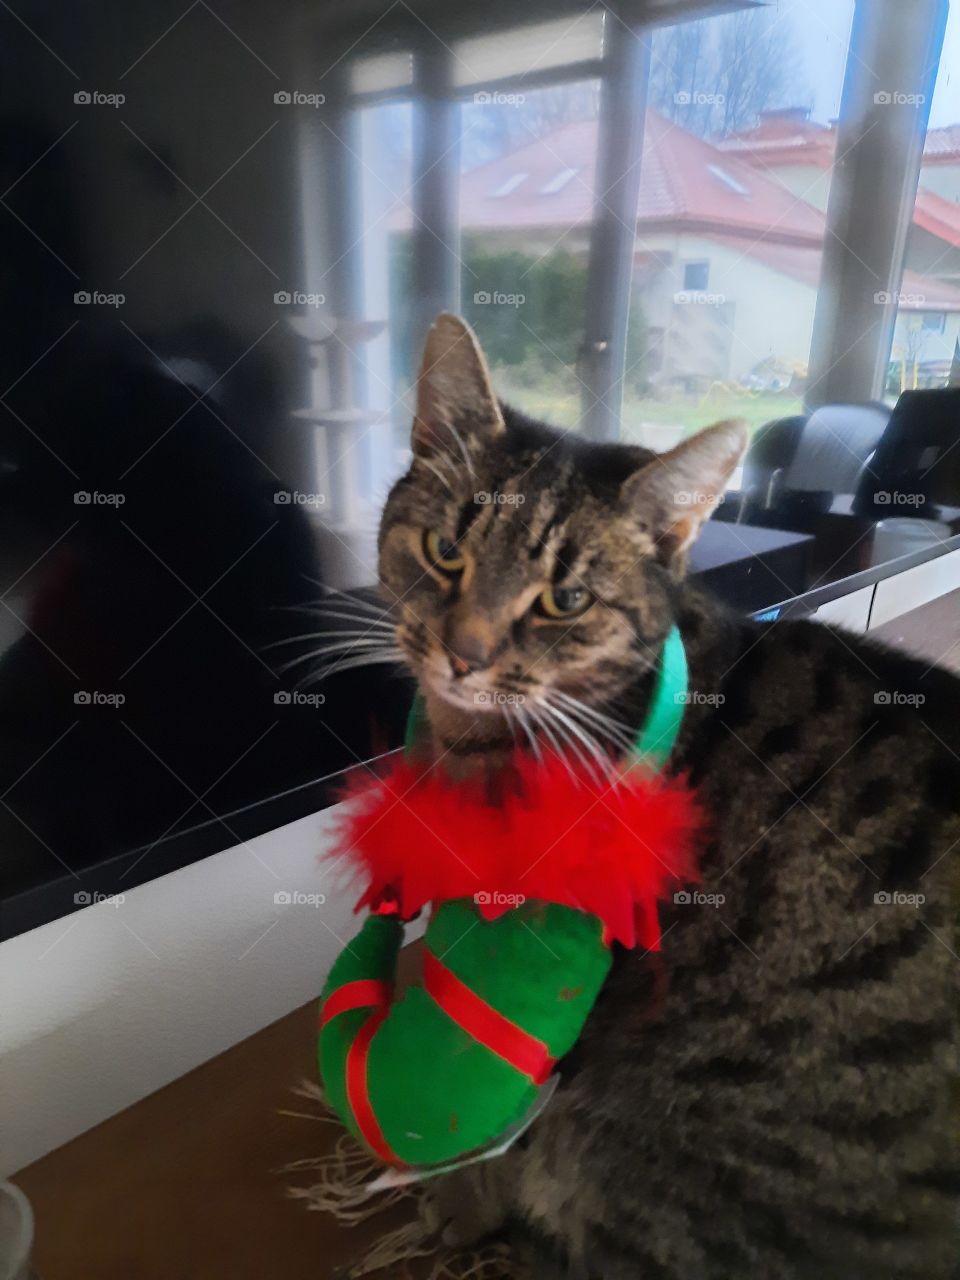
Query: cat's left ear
[676, 492]
[455, 400]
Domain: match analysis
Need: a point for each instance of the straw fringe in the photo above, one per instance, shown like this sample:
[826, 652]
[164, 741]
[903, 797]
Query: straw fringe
[340, 1189]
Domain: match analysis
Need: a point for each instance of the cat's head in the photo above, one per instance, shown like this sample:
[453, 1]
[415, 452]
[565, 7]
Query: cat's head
[524, 563]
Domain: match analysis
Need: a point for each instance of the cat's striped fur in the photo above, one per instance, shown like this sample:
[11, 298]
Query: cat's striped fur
[771, 1096]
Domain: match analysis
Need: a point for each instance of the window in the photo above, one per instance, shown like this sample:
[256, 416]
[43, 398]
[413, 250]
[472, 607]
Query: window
[558, 182]
[509, 185]
[526, 204]
[696, 276]
[927, 326]
[738, 154]
[728, 180]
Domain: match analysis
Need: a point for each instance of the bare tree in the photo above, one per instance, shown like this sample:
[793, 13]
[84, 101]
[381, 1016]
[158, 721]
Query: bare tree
[515, 118]
[716, 75]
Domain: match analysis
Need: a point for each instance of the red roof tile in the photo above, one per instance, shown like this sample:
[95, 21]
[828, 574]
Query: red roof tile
[942, 145]
[784, 137]
[684, 181]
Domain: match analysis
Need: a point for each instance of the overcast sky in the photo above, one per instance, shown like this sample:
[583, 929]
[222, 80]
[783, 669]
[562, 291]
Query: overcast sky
[822, 30]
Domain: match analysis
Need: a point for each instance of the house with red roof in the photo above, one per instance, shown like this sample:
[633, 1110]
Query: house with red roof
[728, 239]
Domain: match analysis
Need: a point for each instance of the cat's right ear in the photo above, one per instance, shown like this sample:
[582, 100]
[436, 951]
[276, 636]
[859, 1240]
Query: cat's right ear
[455, 400]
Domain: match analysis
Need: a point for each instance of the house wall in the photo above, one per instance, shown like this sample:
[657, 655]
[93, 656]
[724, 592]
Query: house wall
[807, 181]
[944, 179]
[930, 256]
[768, 313]
[912, 342]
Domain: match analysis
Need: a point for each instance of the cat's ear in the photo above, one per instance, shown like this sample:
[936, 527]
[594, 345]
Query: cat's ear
[676, 492]
[455, 401]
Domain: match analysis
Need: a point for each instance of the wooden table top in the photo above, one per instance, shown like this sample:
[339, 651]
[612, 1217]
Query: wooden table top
[185, 1184]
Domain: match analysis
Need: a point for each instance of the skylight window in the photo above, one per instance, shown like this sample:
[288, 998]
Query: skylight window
[558, 182]
[728, 180]
[511, 184]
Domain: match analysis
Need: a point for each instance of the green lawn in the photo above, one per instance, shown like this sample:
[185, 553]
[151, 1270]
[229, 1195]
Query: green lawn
[562, 407]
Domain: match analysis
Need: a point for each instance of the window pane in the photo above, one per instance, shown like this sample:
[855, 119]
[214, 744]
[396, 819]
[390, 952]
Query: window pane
[738, 154]
[928, 312]
[526, 206]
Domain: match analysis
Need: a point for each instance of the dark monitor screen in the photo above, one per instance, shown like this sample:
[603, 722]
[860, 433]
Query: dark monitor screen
[224, 233]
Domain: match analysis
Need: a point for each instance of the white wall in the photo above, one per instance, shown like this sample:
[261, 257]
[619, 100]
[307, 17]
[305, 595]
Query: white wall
[110, 1003]
[772, 313]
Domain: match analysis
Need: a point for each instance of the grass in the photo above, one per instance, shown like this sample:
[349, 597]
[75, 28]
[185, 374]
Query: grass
[680, 410]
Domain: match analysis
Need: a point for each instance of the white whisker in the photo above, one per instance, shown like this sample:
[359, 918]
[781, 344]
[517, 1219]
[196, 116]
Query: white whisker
[602, 725]
[576, 736]
[395, 659]
[371, 619]
[432, 466]
[541, 722]
[524, 722]
[353, 647]
[325, 635]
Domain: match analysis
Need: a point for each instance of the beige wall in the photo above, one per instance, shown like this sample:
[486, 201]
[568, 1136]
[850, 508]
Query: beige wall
[911, 341]
[944, 179]
[807, 181]
[768, 313]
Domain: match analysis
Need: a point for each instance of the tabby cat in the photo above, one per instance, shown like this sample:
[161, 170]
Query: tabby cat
[771, 1096]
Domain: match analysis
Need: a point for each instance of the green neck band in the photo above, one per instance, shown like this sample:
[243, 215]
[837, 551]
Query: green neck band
[658, 733]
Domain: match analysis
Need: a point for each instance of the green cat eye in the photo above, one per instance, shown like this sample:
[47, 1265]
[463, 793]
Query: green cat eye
[441, 552]
[563, 602]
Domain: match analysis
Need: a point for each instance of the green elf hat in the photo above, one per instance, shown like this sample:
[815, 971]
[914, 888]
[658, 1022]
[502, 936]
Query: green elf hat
[527, 897]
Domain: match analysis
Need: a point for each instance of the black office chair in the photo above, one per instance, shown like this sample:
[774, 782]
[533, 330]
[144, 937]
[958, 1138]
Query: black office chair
[796, 466]
[916, 468]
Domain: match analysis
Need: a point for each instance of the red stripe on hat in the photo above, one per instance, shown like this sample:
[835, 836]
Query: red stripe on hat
[524, 1052]
[358, 1093]
[364, 993]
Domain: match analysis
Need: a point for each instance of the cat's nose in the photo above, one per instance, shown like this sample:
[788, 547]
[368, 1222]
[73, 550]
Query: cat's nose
[469, 655]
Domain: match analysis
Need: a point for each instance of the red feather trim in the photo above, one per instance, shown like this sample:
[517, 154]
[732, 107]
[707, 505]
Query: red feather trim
[611, 851]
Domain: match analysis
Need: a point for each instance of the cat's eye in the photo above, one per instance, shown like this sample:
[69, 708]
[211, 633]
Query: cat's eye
[563, 602]
[441, 552]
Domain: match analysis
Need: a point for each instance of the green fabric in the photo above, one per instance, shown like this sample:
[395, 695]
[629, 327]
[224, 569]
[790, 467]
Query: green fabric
[436, 1092]
[659, 731]
[371, 954]
[540, 965]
